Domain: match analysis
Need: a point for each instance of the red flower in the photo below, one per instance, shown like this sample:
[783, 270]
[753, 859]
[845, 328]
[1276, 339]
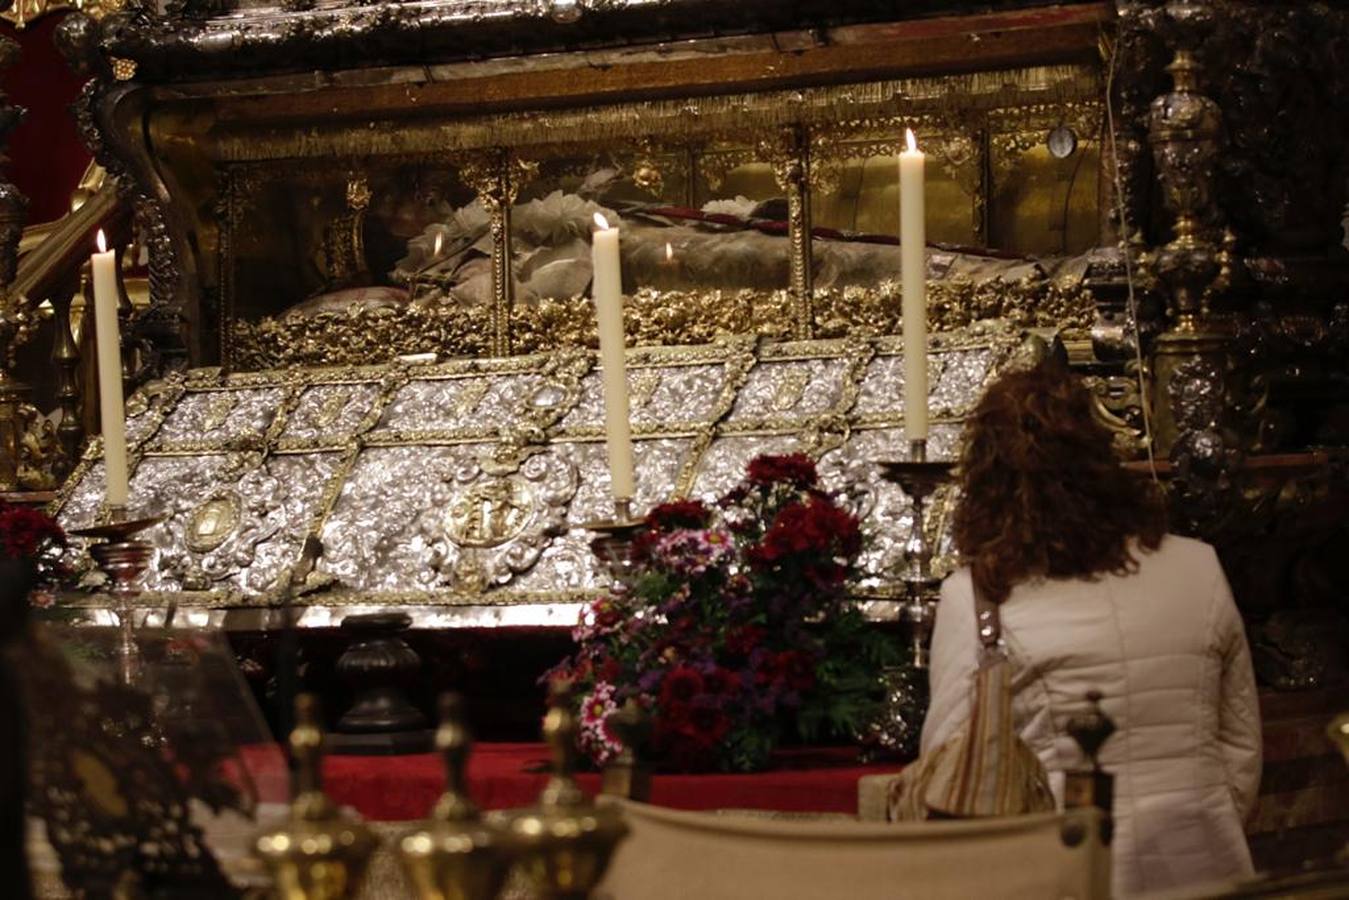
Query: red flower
[23, 531]
[679, 514]
[707, 725]
[607, 614]
[792, 669]
[673, 715]
[681, 685]
[608, 671]
[769, 670]
[721, 681]
[744, 640]
[668, 517]
[815, 527]
[798, 668]
[796, 469]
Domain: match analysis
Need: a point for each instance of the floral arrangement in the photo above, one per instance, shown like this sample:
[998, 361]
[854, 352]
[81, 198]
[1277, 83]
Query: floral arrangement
[32, 535]
[737, 628]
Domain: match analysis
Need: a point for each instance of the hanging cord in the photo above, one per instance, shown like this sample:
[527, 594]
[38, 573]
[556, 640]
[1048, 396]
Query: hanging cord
[1128, 260]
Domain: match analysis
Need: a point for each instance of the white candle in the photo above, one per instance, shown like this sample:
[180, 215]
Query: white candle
[913, 281]
[111, 412]
[607, 289]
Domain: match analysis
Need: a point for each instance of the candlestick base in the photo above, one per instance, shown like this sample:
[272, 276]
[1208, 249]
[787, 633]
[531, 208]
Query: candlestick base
[919, 478]
[122, 560]
[613, 543]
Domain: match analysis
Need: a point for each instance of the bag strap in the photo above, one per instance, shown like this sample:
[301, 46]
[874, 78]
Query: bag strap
[987, 620]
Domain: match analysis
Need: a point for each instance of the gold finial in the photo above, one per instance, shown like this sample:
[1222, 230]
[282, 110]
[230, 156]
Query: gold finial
[454, 855]
[317, 853]
[1092, 729]
[1091, 786]
[559, 733]
[306, 749]
[1338, 731]
[453, 742]
[628, 776]
[563, 844]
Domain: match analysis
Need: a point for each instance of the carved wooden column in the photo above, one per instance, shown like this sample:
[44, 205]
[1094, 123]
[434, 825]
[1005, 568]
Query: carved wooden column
[789, 155]
[493, 176]
[66, 358]
[16, 321]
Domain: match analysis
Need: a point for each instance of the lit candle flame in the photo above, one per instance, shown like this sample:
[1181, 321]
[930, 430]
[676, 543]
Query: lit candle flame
[601, 222]
[912, 141]
[435, 250]
[102, 242]
[669, 252]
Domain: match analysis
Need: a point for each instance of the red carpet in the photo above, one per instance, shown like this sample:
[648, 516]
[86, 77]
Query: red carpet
[399, 788]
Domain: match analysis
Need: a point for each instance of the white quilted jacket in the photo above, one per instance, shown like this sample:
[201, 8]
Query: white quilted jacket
[1166, 648]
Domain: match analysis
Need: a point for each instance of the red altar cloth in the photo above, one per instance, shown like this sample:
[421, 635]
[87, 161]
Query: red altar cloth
[399, 788]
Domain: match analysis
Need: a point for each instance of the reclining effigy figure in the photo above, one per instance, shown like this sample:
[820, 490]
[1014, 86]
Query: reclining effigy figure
[736, 244]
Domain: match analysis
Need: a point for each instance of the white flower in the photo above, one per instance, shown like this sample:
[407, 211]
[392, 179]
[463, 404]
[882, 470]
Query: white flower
[741, 207]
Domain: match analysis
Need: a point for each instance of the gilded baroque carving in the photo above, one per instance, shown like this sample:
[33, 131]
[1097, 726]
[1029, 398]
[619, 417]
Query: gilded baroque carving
[24, 12]
[652, 318]
[483, 529]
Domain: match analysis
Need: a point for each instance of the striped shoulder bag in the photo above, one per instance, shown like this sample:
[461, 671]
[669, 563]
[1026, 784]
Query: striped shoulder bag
[985, 769]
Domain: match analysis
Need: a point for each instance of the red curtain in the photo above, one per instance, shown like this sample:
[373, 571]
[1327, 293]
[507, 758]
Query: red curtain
[46, 155]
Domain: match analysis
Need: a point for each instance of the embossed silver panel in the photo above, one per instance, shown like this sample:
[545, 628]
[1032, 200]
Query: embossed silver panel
[467, 485]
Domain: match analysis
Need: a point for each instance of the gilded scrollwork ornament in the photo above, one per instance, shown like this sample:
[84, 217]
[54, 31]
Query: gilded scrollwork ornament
[652, 317]
[484, 529]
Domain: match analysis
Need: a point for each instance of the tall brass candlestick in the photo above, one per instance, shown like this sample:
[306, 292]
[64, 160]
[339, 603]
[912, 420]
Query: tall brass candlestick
[919, 478]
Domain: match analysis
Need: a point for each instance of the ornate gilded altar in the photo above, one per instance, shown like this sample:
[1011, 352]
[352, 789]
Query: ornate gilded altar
[1161, 182]
[430, 195]
[291, 171]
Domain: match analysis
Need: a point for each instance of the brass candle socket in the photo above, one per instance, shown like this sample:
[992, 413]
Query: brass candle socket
[613, 543]
[563, 845]
[455, 855]
[317, 853]
[122, 560]
[919, 478]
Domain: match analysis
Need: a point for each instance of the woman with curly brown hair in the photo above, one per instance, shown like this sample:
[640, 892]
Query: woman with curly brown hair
[1095, 595]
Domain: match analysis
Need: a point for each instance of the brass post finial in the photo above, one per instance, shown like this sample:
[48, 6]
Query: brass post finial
[454, 855]
[559, 733]
[1092, 729]
[317, 853]
[627, 775]
[306, 749]
[1338, 732]
[453, 743]
[564, 843]
[1091, 786]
